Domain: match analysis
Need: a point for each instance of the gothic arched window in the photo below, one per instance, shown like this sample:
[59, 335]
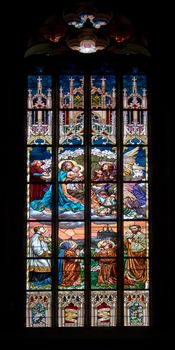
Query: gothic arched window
[87, 217]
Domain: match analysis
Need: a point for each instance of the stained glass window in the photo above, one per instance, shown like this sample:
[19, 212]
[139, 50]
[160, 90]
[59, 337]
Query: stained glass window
[87, 222]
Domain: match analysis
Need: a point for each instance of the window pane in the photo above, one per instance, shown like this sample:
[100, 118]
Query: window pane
[136, 240]
[71, 164]
[102, 232]
[70, 267]
[103, 163]
[39, 164]
[71, 127]
[71, 201]
[134, 92]
[135, 127]
[136, 274]
[103, 267]
[40, 201]
[70, 309]
[103, 91]
[39, 127]
[135, 200]
[39, 241]
[39, 92]
[136, 308]
[103, 127]
[104, 308]
[135, 163]
[38, 309]
[38, 272]
[103, 201]
[71, 92]
[71, 231]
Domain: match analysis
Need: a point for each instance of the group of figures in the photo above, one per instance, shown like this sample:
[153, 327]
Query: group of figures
[70, 261]
[69, 171]
[70, 272]
[70, 195]
[104, 190]
[40, 263]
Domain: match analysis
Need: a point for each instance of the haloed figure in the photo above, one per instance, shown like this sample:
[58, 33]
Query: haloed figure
[106, 258]
[68, 264]
[135, 242]
[66, 201]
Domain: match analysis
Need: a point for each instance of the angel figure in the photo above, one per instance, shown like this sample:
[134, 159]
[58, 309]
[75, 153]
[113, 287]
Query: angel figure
[131, 169]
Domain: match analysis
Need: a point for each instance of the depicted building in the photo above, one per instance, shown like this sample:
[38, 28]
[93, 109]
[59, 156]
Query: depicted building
[106, 233]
